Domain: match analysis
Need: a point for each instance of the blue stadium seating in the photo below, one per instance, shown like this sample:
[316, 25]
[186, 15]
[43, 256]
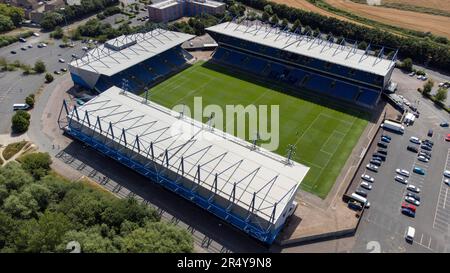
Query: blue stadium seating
[367, 97]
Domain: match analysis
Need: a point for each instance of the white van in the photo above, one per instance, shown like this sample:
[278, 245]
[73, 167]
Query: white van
[410, 234]
[20, 106]
[361, 199]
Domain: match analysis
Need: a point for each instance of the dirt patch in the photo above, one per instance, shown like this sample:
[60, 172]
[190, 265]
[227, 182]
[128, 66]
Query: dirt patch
[438, 25]
[13, 149]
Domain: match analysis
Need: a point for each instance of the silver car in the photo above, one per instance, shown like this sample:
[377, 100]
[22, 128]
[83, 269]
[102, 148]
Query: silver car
[411, 200]
[402, 172]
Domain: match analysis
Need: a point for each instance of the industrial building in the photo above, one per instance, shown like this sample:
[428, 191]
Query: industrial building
[245, 185]
[170, 10]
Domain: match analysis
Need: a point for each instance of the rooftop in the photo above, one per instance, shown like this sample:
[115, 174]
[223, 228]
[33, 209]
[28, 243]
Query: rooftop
[255, 171]
[317, 48]
[127, 50]
[168, 3]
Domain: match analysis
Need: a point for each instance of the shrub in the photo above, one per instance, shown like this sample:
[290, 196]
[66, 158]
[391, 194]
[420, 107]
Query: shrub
[20, 121]
[39, 67]
[48, 78]
[37, 164]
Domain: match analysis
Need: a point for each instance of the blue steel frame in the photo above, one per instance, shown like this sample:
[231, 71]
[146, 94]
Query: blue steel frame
[266, 235]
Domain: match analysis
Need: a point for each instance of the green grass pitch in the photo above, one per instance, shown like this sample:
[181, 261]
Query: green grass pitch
[324, 136]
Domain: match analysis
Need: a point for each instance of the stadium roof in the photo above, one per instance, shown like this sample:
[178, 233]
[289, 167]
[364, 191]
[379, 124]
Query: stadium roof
[169, 3]
[255, 171]
[304, 45]
[127, 50]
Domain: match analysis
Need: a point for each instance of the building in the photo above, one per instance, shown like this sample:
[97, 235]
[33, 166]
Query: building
[34, 9]
[252, 189]
[136, 60]
[170, 10]
[305, 62]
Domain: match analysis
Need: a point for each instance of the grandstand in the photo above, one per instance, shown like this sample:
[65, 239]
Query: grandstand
[247, 186]
[339, 71]
[135, 61]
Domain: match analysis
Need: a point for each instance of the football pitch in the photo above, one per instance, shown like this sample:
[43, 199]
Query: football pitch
[324, 136]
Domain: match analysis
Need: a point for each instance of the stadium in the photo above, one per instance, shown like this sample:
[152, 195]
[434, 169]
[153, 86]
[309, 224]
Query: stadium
[326, 92]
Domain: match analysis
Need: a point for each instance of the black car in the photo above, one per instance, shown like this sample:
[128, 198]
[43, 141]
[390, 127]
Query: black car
[426, 152]
[381, 156]
[375, 162]
[430, 133]
[412, 149]
[13, 52]
[382, 145]
[382, 151]
[425, 147]
[428, 142]
[361, 192]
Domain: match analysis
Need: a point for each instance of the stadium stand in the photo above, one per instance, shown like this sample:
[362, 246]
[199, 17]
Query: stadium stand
[135, 61]
[338, 70]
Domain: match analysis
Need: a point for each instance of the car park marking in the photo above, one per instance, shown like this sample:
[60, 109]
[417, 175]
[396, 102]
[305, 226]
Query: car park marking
[441, 215]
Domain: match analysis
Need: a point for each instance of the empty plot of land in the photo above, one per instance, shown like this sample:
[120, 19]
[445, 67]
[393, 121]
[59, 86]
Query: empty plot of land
[438, 25]
[442, 5]
[324, 137]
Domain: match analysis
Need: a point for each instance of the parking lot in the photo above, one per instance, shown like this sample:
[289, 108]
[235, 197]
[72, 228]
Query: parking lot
[383, 222]
[14, 86]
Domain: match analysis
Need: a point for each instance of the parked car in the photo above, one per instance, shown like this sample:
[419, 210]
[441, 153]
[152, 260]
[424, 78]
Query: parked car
[447, 138]
[61, 61]
[366, 185]
[414, 140]
[425, 147]
[30, 46]
[372, 167]
[409, 206]
[361, 192]
[411, 200]
[447, 173]
[36, 34]
[444, 124]
[375, 162]
[428, 142]
[64, 69]
[426, 152]
[412, 149]
[413, 188]
[408, 212]
[382, 151]
[419, 170]
[412, 74]
[424, 155]
[447, 181]
[430, 133]
[385, 139]
[382, 145]
[401, 179]
[402, 172]
[23, 48]
[377, 158]
[423, 159]
[23, 40]
[367, 178]
[13, 52]
[413, 195]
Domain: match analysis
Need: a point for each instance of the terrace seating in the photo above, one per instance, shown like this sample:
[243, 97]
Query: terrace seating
[367, 97]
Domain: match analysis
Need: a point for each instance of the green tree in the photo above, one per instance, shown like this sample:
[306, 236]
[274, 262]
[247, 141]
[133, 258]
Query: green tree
[5, 23]
[428, 86]
[39, 66]
[49, 232]
[90, 240]
[30, 101]
[297, 24]
[157, 238]
[362, 45]
[21, 205]
[265, 17]
[268, 9]
[274, 20]
[407, 64]
[58, 33]
[14, 177]
[20, 122]
[441, 94]
[37, 164]
[284, 23]
[48, 77]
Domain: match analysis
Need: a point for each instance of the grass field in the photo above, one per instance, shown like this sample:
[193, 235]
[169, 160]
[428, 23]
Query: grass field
[324, 137]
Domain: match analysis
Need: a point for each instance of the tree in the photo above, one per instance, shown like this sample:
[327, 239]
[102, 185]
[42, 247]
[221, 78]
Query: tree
[14, 177]
[268, 9]
[362, 45]
[427, 87]
[39, 66]
[284, 23]
[441, 94]
[37, 164]
[20, 121]
[297, 24]
[265, 17]
[274, 20]
[30, 101]
[157, 238]
[5, 23]
[407, 64]
[58, 33]
[90, 240]
[48, 78]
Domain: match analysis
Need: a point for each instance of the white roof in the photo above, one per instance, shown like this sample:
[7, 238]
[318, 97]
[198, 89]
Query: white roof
[169, 3]
[254, 171]
[107, 61]
[306, 46]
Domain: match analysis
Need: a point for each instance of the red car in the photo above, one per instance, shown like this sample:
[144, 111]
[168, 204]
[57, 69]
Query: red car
[408, 206]
[447, 137]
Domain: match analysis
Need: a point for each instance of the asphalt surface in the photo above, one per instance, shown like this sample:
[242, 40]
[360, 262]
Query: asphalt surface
[14, 86]
[383, 226]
